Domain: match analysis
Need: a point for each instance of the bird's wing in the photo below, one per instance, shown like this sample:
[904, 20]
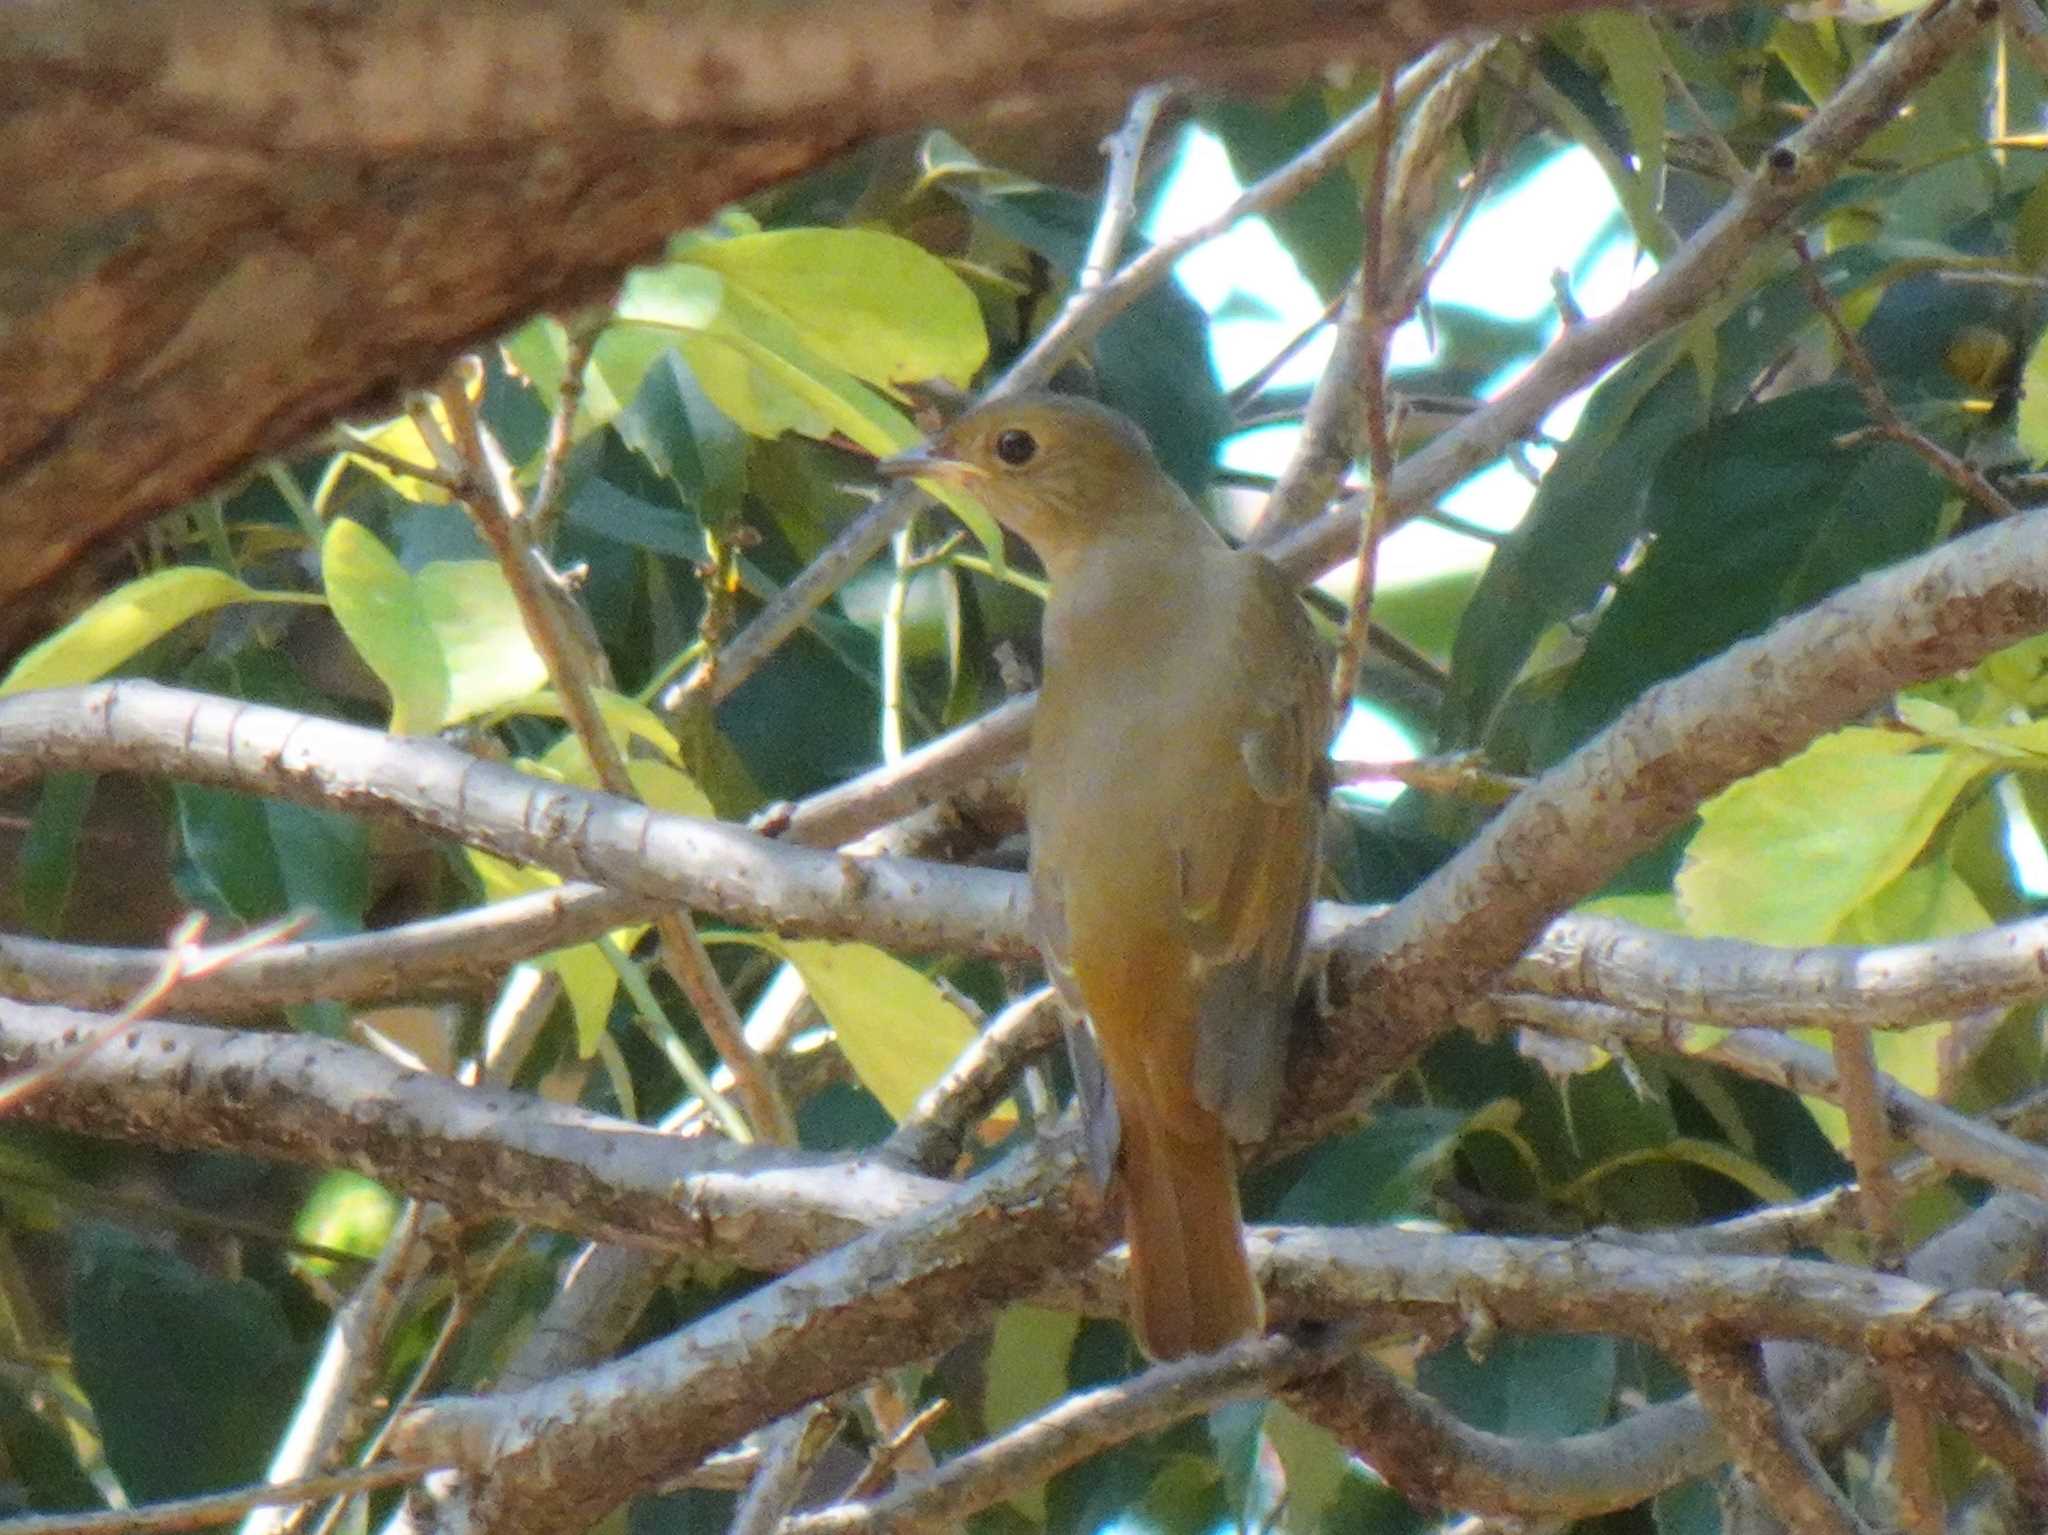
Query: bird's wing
[1249, 864]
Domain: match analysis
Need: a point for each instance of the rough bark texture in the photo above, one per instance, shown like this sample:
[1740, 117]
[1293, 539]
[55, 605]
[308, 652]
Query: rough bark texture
[223, 225]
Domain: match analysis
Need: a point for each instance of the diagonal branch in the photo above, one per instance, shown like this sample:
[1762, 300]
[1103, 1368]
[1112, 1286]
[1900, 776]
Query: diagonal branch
[1730, 1380]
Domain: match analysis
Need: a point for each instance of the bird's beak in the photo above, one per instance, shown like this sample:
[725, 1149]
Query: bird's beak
[922, 463]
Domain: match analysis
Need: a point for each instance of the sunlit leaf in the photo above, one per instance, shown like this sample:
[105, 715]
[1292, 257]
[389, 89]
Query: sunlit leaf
[2031, 424]
[126, 620]
[898, 1030]
[874, 304]
[379, 609]
[485, 651]
[1783, 856]
[1027, 1372]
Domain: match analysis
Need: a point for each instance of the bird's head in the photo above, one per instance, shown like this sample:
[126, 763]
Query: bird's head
[1056, 470]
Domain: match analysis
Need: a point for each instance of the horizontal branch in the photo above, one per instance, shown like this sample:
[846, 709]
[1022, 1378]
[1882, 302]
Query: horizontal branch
[714, 866]
[1731, 984]
[1956, 1141]
[493, 1154]
[481, 1151]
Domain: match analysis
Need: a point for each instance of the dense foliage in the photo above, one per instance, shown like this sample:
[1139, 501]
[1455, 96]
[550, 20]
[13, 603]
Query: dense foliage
[688, 450]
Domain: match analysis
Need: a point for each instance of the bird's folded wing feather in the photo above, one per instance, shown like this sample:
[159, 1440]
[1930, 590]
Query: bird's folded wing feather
[1249, 865]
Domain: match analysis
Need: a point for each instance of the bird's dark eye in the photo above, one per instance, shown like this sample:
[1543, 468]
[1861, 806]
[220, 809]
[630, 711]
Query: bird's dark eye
[1016, 447]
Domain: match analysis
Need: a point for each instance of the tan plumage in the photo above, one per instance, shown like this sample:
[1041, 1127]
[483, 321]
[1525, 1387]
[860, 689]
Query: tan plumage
[1174, 792]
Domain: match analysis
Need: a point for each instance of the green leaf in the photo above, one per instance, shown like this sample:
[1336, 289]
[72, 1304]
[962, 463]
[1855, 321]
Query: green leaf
[48, 861]
[1315, 1465]
[226, 839]
[1628, 46]
[874, 304]
[1784, 856]
[1691, 1509]
[474, 620]
[42, 1465]
[348, 1212]
[2031, 423]
[191, 1377]
[1527, 1386]
[1593, 503]
[379, 609]
[128, 618]
[1027, 1372]
[1379, 1173]
[676, 296]
[899, 1031]
[1754, 517]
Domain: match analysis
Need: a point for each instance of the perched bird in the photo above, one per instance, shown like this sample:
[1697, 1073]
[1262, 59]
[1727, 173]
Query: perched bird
[1173, 794]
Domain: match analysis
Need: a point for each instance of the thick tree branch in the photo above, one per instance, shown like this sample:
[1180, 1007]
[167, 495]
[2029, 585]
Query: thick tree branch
[226, 224]
[1692, 281]
[480, 1151]
[1757, 703]
[1729, 1378]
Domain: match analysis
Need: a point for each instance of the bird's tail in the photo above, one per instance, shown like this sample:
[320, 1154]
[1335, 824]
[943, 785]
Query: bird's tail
[1192, 1287]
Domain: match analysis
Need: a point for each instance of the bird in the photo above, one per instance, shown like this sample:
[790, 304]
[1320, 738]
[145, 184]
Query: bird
[1173, 800]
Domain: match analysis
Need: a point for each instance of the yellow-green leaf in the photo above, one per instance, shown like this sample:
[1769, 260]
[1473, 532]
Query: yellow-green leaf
[2031, 423]
[474, 618]
[2018, 744]
[1655, 909]
[1027, 1372]
[1784, 856]
[662, 787]
[379, 609]
[126, 620]
[401, 438]
[878, 306]
[754, 398]
[1629, 47]
[897, 1029]
[841, 400]
[590, 983]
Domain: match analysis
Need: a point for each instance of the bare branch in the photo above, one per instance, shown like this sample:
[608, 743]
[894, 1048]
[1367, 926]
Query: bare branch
[1407, 977]
[312, 1101]
[1955, 1140]
[1960, 473]
[1067, 1433]
[1794, 171]
[1729, 1378]
[212, 1509]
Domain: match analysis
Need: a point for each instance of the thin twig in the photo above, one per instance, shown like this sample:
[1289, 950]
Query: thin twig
[903, 1440]
[1965, 476]
[787, 1453]
[182, 958]
[1126, 151]
[1375, 325]
[1730, 1380]
[1070, 1431]
[1243, 394]
[1861, 1099]
[545, 507]
[494, 506]
[215, 1507]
